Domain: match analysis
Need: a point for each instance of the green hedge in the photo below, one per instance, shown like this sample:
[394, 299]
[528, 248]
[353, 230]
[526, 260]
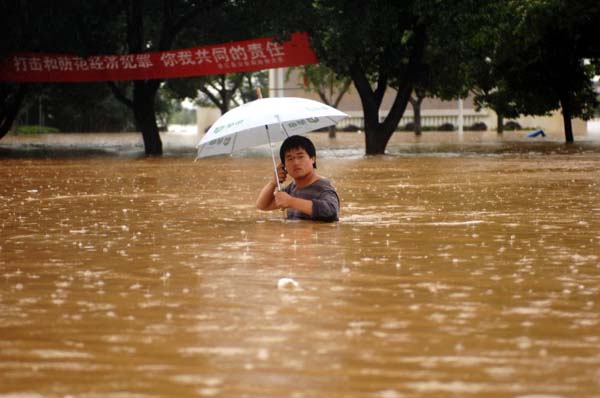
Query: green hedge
[25, 129]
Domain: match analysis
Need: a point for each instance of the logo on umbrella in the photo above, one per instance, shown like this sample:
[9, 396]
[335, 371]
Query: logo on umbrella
[221, 141]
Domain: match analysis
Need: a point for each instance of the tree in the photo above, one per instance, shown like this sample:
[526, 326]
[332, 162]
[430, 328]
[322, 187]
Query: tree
[12, 96]
[500, 100]
[386, 50]
[122, 27]
[252, 82]
[547, 57]
[166, 20]
[221, 91]
[443, 71]
[66, 27]
[231, 21]
[16, 20]
[325, 83]
[84, 107]
[416, 99]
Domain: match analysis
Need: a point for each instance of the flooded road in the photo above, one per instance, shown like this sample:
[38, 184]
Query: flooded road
[455, 271]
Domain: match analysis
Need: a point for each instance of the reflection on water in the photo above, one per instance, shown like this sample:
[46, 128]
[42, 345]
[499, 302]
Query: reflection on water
[471, 270]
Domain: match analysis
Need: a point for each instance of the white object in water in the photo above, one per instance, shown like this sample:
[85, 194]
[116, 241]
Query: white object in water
[287, 284]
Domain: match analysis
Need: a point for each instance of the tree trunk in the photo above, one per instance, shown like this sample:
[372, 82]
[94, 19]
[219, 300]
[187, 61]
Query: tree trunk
[500, 123]
[375, 141]
[332, 132]
[378, 134]
[11, 104]
[144, 94]
[566, 111]
[417, 113]
[416, 105]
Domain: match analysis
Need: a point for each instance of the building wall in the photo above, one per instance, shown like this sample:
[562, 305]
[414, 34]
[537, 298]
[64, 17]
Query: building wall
[351, 101]
[205, 117]
[553, 124]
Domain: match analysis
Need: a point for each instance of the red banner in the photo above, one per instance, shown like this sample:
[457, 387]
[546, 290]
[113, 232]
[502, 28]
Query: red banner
[242, 56]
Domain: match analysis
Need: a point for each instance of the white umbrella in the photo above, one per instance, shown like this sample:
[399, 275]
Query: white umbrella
[264, 121]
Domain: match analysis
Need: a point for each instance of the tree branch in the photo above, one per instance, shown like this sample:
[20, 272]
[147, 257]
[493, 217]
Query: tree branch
[365, 92]
[135, 27]
[172, 30]
[211, 97]
[237, 82]
[10, 109]
[322, 96]
[342, 92]
[119, 95]
[381, 87]
[403, 94]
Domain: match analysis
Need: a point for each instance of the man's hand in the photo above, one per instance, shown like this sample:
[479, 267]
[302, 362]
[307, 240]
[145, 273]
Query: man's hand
[281, 173]
[283, 200]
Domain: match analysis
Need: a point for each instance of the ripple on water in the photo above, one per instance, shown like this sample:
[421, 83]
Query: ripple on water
[219, 351]
[60, 354]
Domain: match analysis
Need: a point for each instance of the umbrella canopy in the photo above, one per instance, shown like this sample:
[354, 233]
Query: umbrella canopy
[263, 121]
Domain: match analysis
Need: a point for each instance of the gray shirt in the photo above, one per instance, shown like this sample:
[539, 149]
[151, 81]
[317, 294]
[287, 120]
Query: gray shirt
[326, 203]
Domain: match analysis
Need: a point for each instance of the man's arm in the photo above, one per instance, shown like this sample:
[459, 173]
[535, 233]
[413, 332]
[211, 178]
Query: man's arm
[266, 199]
[284, 201]
[327, 206]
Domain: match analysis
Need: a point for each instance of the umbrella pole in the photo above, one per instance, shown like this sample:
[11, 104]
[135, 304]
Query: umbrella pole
[273, 158]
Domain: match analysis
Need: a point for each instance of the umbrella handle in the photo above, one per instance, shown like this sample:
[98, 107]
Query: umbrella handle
[273, 158]
[274, 164]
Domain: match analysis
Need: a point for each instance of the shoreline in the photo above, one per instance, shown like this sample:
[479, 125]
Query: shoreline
[183, 144]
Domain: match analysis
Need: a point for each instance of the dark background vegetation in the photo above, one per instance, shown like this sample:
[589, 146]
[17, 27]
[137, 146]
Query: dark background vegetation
[517, 57]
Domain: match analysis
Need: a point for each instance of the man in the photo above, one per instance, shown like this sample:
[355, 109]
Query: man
[309, 196]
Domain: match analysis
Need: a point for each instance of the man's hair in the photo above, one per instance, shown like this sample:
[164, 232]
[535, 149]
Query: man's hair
[297, 141]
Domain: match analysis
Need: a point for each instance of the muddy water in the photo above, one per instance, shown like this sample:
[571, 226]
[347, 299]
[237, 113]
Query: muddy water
[466, 271]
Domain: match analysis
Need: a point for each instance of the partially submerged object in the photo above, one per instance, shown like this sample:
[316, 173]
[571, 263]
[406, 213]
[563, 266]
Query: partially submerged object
[537, 133]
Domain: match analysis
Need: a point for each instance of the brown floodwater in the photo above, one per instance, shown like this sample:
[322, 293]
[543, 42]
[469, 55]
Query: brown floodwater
[458, 269]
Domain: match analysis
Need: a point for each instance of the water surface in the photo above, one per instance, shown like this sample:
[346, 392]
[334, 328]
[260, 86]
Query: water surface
[458, 269]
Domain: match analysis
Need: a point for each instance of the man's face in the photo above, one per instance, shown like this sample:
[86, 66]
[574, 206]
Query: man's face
[297, 163]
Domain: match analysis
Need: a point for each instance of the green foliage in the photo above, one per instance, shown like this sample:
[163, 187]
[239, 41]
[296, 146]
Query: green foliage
[35, 129]
[380, 43]
[535, 58]
[410, 45]
[77, 107]
[231, 21]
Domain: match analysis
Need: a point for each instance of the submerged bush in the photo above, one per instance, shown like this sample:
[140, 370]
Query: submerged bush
[446, 127]
[351, 128]
[479, 126]
[410, 126]
[512, 125]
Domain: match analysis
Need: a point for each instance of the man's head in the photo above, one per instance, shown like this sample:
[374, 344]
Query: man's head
[296, 142]
[298, 156]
